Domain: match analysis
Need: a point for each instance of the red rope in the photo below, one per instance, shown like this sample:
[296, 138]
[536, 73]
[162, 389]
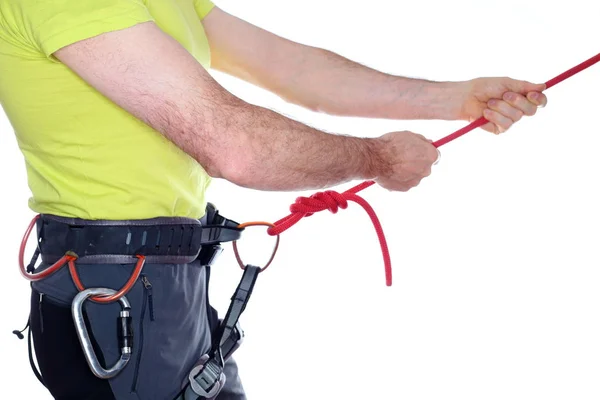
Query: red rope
[332, 201]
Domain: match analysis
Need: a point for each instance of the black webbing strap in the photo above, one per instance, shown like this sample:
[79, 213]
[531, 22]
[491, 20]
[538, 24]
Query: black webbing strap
[205, 380]
[150, 240]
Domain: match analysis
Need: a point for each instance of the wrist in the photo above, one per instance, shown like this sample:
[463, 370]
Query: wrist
[427, 100]
[376, 164]
[442, 100]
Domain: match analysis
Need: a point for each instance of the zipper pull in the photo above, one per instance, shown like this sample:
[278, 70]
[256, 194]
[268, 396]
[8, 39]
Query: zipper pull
[148, 288]
[146, 282]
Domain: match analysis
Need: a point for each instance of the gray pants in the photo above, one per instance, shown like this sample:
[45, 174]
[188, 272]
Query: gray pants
[172, 322]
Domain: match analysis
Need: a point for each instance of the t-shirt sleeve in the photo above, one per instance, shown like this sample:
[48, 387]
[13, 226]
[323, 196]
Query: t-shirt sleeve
[203, 7]
[54, 24]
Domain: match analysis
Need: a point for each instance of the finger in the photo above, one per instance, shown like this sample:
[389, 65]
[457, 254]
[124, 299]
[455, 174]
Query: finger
[537, 98]
[505, 109]
[500, 121]
[520, 102]
[524, 86]
[489, 127]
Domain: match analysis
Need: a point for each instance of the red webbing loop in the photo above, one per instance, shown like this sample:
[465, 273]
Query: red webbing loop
[332, 201]
[137, 270]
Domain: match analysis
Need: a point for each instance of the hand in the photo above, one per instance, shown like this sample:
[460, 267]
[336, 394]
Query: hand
[406, 158]
[502, 101]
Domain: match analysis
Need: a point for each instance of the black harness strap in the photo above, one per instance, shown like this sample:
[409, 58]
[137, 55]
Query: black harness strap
[206, 379]
[163, 240]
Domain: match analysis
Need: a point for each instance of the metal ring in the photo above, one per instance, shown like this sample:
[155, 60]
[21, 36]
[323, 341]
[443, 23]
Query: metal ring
[235, 248]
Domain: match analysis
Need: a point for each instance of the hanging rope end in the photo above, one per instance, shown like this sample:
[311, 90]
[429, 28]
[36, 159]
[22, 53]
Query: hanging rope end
[388, 277]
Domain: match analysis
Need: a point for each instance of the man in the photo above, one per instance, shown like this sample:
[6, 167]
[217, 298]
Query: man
[121, 125]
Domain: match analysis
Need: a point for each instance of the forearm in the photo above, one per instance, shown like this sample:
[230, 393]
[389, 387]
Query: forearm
[260, 149]
[160, 83]
[329, 83]
[321, 80]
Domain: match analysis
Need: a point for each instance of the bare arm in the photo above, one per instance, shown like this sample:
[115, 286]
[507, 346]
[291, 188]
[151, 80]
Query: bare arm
[324, 81]
[319, 79]
[150, 75]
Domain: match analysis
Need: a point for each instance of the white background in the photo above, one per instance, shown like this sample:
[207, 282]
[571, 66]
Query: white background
[495, 256]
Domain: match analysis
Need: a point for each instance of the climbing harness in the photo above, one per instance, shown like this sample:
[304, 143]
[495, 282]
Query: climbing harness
[122, 242]
[113, 242]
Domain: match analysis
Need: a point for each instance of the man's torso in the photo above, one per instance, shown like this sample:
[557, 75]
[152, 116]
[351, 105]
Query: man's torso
[85, 156]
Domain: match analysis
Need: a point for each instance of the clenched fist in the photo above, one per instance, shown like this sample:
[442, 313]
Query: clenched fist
[406, 158]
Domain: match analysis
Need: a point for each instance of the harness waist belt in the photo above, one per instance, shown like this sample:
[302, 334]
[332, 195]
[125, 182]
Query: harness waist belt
[162, 240]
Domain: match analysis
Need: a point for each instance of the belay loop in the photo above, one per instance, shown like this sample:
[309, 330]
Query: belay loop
[237, 253]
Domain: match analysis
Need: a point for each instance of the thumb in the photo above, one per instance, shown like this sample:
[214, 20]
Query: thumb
[524, 87]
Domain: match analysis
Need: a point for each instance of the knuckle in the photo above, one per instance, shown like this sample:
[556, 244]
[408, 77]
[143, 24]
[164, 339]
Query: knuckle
[517, 115]
[518, 100]
[510, 97]
[530, 112]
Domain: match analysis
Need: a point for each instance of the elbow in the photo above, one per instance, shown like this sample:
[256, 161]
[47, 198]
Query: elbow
[231, 167]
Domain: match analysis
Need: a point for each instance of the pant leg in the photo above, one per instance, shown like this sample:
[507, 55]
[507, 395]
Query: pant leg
[233, 389]
[59, 355]
[171, 333]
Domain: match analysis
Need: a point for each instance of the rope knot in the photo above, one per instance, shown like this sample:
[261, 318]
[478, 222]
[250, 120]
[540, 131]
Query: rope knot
[333, 201]
[321, 201]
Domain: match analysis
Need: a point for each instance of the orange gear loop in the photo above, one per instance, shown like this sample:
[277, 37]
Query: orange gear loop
[237, 254]
[33, 277]
[114, 297]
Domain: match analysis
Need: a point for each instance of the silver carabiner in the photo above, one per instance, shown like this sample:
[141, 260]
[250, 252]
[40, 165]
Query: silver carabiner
[125, 332]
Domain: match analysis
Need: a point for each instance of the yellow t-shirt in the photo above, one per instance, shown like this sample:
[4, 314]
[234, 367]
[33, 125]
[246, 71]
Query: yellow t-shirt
[85, 156]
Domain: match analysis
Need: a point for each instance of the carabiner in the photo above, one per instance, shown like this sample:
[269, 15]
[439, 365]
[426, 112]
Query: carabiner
[125, 332]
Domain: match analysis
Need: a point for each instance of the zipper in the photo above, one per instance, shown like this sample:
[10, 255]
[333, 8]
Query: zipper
[148, 289]
[41, 313]
[146, 301]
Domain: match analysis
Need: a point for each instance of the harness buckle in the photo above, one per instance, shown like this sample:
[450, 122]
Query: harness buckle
[207, 378]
